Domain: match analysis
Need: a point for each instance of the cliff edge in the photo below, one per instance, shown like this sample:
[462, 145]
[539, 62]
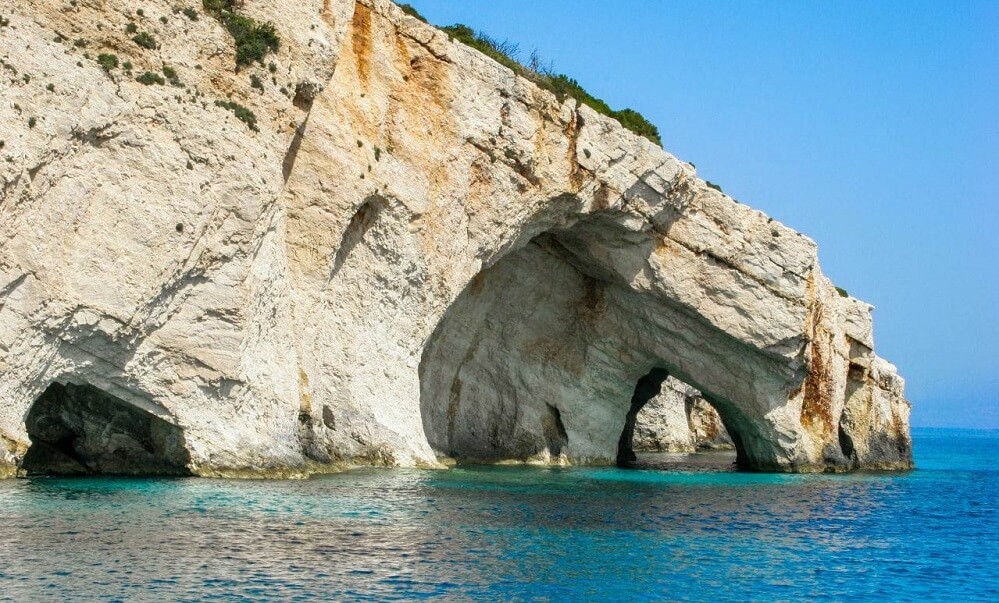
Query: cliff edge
[375, 245]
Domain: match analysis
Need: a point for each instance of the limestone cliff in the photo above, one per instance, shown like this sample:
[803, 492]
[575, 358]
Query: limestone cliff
[380, 246]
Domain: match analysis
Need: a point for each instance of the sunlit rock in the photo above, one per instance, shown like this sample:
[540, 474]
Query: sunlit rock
[415, 254]
[679, 420]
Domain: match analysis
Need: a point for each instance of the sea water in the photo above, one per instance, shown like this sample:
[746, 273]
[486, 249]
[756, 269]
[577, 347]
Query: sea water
[517, 534]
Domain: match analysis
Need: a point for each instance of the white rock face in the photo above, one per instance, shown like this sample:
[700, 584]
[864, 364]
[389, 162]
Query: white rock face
[679, 420]
[417, 254]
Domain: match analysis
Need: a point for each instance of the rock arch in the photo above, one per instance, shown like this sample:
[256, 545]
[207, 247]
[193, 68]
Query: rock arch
[542, 352]
[648, 387]
[483, 270]
[83, 430]
[680, 420]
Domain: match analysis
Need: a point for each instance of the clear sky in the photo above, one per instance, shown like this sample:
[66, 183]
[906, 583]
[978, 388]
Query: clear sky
[870, 127]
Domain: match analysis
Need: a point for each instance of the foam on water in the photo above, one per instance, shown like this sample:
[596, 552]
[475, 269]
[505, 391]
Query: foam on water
[516, 533]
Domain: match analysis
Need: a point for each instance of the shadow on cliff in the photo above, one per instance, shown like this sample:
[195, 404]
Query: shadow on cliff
[83, 430]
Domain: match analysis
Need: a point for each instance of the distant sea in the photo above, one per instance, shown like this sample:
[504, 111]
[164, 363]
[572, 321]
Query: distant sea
[517, 534]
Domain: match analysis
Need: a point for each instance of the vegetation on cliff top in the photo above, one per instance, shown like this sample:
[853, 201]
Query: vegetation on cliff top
[505, 53]
[563, 86]
[412, 12]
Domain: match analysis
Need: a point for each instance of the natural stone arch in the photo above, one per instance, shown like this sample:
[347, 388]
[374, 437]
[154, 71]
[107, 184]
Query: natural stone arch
[538, 358]
[651, 386]
[679, 420]
[647, 388]
[83, 430]
[477, 169]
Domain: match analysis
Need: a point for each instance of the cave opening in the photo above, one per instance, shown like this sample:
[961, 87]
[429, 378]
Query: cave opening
[647, 388]
[672, 424]
[550, 354]
[83, 430]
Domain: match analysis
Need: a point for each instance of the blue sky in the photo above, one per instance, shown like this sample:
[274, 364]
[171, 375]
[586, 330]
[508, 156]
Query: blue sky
[870, 127]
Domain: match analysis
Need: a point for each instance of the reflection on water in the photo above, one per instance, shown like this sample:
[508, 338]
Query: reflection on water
[514, 533]
[709, 460]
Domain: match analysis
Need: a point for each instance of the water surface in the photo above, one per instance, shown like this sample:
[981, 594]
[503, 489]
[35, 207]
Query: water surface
[516, 533]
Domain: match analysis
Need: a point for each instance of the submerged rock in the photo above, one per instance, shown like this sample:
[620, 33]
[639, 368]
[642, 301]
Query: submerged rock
[384, 248]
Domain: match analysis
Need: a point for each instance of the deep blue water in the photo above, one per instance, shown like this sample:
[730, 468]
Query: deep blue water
[516, 533]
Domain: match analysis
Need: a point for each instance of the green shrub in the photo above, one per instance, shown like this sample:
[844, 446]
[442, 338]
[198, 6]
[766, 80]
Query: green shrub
[140, 12]
[50, 87]
[217, 6]
[636, 122]
[842, 292]
[242, 113]
[107, 61]
[256, 83]
[131, 28]
[145, 40]
[559, 84]
[164, 20]
[501, 52]
[171, 75]
[714, 186]
[191, 14]
[412, 12]
[80, 43]
[149, 78]
[31, 122]
[253, 40]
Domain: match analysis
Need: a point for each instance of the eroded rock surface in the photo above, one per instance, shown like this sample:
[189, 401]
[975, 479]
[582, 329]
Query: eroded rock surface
[416, 253]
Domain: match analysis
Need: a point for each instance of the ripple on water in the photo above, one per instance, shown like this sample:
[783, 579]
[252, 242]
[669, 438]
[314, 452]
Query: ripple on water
[509, 533]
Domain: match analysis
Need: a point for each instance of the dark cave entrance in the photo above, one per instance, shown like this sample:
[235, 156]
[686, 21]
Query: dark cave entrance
[83, 430]
[672, 425]
[648, 387]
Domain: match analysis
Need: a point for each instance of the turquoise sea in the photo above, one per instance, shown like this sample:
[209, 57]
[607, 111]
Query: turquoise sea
[517, 534]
